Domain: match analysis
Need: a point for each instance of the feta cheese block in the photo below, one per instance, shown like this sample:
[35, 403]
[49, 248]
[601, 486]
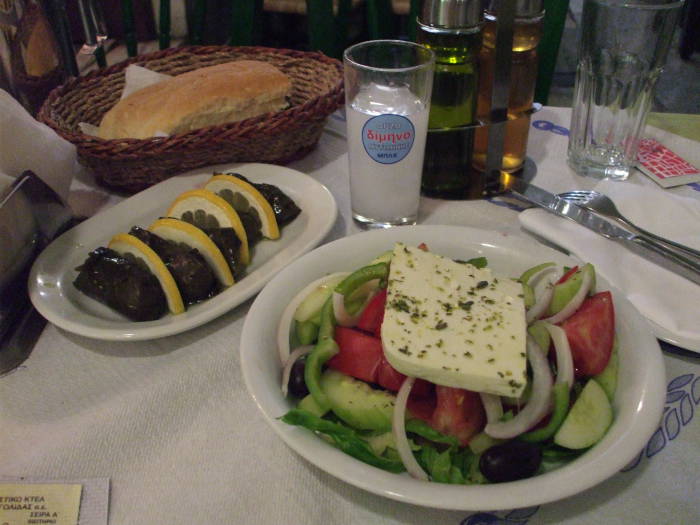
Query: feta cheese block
[454, 324]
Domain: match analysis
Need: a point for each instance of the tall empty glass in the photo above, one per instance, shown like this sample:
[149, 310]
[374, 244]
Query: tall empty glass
[624, 44]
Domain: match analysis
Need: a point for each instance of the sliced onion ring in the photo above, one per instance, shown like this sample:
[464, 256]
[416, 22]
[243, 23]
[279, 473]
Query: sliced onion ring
[565, 360]
[492, 406]
[398, 428]
[286, 372]
[575, 301]
[544, 268]
[285, 325]
[539, 403]
[542, 302]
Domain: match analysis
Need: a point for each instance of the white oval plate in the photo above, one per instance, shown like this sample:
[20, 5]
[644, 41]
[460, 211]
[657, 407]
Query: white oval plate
[638, 404]
[51, 280]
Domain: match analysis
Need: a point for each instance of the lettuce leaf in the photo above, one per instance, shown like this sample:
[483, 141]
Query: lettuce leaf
[344, 437]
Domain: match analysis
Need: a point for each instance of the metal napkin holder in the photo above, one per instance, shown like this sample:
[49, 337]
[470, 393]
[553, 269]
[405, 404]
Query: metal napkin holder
[31, 216]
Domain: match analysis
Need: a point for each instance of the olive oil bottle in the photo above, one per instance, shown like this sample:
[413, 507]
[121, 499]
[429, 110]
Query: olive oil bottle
[452, 29]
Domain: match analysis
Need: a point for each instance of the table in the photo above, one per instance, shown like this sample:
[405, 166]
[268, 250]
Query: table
[171, 425]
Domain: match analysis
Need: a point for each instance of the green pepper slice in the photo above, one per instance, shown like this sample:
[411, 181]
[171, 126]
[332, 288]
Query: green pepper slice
[326, 347]
[359, 277]
[560, 392]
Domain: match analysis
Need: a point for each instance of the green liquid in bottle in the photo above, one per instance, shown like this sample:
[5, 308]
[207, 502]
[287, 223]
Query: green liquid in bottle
[447, 163]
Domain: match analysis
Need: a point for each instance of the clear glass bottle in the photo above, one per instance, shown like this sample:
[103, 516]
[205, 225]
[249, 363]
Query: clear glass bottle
[523, 77]
[452, 29]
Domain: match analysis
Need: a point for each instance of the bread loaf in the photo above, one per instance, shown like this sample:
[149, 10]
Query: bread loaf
[208, 96]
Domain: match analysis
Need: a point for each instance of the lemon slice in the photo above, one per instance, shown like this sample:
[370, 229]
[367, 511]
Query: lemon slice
[183, 232]
[245, 198]
[205, 209]
[124, 243]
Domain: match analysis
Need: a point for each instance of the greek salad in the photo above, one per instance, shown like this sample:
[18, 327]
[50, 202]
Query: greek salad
[440, 368]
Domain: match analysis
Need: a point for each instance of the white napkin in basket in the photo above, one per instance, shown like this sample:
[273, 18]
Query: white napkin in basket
[26, 144]
[663, 297]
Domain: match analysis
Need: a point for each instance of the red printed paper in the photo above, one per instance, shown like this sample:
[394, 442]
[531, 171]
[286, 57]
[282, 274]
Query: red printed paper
[664, 166]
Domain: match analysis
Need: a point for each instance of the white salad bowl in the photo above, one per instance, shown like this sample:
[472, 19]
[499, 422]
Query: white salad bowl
[638, 403]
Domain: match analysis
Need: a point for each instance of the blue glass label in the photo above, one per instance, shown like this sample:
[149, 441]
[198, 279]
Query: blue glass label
[388, 138]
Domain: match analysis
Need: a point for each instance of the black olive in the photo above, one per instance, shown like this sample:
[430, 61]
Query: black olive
[297, 385]
[510, 461]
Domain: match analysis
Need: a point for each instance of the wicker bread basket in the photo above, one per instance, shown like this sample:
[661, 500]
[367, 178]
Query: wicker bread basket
[133, 164]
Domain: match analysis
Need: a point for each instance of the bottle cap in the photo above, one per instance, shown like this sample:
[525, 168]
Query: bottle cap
[452, 13]
[523, 8]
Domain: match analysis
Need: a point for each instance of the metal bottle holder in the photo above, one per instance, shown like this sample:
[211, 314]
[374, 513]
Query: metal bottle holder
[493, 180]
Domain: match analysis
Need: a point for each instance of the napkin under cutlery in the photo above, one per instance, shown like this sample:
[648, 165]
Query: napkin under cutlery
[664, 298]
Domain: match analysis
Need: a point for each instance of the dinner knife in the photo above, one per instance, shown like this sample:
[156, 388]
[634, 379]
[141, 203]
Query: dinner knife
[644, 247]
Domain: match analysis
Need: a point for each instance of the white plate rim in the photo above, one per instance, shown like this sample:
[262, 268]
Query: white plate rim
[48, 279]
[626, 438]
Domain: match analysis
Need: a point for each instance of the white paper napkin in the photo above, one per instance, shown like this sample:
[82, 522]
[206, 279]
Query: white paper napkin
[666, 299]
[26, 144]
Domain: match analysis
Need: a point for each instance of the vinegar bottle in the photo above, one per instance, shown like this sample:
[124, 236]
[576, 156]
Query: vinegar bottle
[523, 76]
[452, 29]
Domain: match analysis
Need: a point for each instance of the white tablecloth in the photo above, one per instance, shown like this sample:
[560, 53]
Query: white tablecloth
[172, 426]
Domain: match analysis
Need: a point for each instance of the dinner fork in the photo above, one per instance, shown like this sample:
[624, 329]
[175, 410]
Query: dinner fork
[603, 205]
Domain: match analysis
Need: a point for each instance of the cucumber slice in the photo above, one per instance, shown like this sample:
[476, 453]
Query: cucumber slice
[540, 334]
[482, 442]
[357, 403]
[306, 331]
[564, 292]
[607, 379]
[381, 442]
[312, 303]
[588, 420]
[309, 404]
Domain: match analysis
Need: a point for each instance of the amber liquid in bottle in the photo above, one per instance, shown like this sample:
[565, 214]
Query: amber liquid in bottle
[523, 76]
[449, 146]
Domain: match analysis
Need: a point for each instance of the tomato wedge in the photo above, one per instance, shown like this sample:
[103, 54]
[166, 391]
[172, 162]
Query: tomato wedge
[373, 315]
[422, 407]
[360, 355]
[591, 333]
[458, 413]
[390, 378]
[567, 275]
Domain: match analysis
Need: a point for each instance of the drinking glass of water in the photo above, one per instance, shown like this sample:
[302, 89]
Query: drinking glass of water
[388, 84]
[623, 48]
